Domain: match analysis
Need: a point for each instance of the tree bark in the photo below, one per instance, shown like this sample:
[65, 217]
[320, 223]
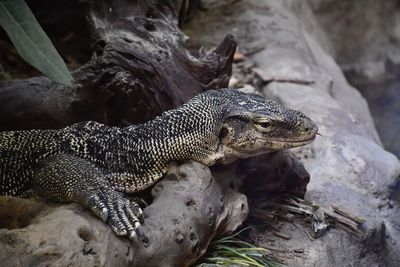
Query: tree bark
[190, 207]
[139, 68]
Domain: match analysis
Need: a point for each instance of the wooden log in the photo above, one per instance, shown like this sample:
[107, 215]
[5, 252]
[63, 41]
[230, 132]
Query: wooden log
[139, 68]
[190, 207]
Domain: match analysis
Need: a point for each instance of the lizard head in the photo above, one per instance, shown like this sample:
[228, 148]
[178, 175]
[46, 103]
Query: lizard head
[255, 125]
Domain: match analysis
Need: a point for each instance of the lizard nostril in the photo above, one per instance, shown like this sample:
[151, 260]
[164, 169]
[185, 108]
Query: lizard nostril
[307, 129]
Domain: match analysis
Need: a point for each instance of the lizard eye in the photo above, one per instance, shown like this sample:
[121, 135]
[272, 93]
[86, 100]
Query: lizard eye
[264, 124]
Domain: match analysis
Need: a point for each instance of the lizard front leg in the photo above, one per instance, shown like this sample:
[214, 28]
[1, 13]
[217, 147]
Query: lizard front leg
[65, 178]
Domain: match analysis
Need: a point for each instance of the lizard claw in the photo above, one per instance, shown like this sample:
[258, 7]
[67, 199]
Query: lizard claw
[104, 214]
[120, 213]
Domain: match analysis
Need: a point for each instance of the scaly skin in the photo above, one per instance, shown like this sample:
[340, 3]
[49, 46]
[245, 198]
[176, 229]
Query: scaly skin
[93, 164]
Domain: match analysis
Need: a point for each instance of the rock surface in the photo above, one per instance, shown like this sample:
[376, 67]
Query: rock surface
[364, 38]
[347, 165]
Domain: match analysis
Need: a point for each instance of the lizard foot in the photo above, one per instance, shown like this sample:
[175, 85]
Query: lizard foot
[119, 212]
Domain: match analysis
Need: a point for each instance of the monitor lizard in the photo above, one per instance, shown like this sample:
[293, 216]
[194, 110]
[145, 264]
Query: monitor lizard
[94, 164]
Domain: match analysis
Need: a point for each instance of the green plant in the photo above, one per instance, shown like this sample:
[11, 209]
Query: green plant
[233, 251]
[31, 41]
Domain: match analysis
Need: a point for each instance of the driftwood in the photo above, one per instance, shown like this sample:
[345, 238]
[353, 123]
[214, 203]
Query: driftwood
[190, 207]
[139, 68]
[279, 172]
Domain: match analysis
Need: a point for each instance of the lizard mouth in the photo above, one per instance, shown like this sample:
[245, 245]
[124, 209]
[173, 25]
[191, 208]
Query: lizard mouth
[274, 144]
[294, 143]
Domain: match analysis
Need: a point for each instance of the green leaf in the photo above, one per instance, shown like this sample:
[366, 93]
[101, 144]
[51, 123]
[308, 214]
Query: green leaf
[31, 41]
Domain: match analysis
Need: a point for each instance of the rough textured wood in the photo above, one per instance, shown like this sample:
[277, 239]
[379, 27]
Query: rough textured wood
[190, 207]
[279, 172]
[139, 68]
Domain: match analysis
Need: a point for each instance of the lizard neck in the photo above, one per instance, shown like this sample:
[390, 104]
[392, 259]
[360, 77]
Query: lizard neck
[186, 133]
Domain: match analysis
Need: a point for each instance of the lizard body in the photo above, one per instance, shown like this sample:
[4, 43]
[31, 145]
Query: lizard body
[95, 164]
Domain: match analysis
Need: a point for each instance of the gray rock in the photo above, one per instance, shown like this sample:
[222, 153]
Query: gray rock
[348, 165]
[360, 34]
[364, 38]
